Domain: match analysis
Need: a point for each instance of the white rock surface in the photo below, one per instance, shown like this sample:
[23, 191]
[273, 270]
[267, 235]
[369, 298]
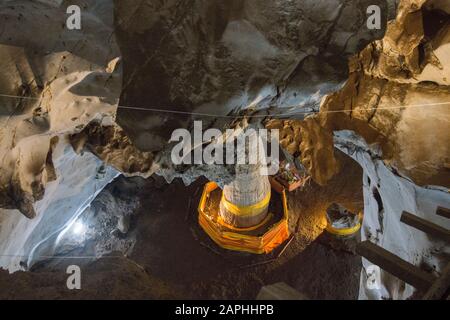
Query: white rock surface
[29, 240]
[70, 79]
[382, 225]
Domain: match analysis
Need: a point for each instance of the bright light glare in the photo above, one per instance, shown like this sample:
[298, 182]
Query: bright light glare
[78, 228]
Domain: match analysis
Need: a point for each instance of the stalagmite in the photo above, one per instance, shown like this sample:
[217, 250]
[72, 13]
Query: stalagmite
[245, 201]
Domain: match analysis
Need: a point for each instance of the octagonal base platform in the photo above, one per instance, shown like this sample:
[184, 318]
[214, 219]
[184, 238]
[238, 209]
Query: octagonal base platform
[263, 238]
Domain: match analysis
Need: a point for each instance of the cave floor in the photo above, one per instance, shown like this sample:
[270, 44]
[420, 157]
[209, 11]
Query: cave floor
[174, 258]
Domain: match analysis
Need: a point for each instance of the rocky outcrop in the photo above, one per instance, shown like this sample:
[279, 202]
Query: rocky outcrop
[53, 83]
[109, 143]
[386, 195]
[395, 103]
[310, 142]
[217, 57]
[102, 279]
[396, 96]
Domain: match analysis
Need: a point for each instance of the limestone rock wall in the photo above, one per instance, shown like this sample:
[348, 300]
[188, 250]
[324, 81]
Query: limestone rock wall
[396, 96]
[53, 83]
[218, 57]
[386, 195]
[396, 105]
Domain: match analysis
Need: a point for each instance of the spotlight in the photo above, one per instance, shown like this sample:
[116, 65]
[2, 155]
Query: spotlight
[78, 228]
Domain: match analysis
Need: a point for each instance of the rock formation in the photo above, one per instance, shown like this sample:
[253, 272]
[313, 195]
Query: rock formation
[77, 108]
[395, 100]
[392, 107]
[55, 82]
